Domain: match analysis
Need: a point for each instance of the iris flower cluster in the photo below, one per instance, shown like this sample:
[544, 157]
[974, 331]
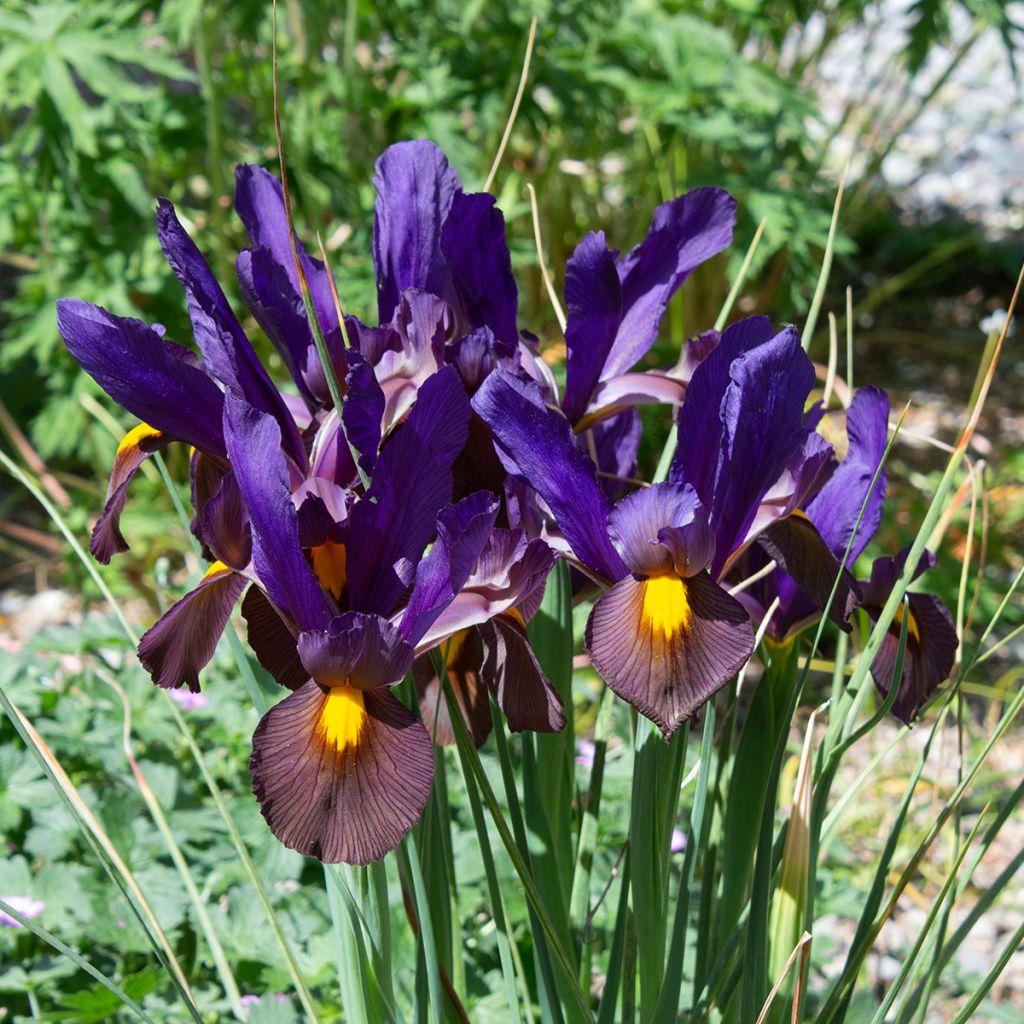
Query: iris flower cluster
[411, 531]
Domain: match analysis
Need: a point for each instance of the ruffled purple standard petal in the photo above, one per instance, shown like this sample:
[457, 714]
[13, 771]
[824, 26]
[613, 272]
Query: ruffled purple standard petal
[272, 640]
[364, 651]
[181, 643]
[509, 575]
[278, 310]
[662, 528]
[479, 353]
[593, 298]
[462, 532]
[684, 233]
[415, 185]
[341, 775]
[741, 424]
[145, 374]
[473, 242]
[135, 447]
[667, 645]
[259, 202]
[254, 446]
[412, 482]
[539, 443]
[219, 335]
[834, 510]
[363, 411]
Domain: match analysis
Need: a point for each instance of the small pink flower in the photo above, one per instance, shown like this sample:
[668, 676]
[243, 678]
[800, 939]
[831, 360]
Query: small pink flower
[249, 1000]
[24, 905]
[585, 754]
[9, 645]
[678, 843]
[188, 700]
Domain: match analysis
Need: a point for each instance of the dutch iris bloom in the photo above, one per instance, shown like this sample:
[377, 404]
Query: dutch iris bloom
[833, 511]
[666, 635]
[341, 600]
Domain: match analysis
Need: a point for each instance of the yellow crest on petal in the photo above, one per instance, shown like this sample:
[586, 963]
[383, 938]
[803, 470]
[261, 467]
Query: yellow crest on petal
[329, 560]
[343, 716]
[136, 436]
[665, 609]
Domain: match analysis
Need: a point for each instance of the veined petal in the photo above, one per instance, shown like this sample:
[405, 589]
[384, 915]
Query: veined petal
[412, 482]
[462, 532]
[753, 391]
[415, 185]
[464, 655]
[219, 335]
[144, 373]
[928, 660]
[797, 547]
[180, 644]
[254, 446]
[224, 525]
[136, 446]
[538, 443]
[667, 645]
[272, 640]
[685, 232]
[512, 672]
[341, 775]
[473, 242]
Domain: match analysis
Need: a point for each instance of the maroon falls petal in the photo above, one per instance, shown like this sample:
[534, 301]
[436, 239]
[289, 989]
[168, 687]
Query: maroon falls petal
[272, 640]
[136, 446]
[931, 650]
[341, 774]
[463, 655]
[667, 645]
[180, 644]
[797, 547]
[511, 670]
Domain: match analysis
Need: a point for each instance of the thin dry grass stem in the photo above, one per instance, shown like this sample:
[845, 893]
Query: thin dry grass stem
[762, 629]
[99, 834]
[514, 112]
[31, 458]
[839, 386]
[801, 980]
[849, 337]
[950, 511]
[805, 941]
[149, 797]
[961, 597]
[541, 262]
[982, 556]
[753, 578]
[986, 384]
[612, 875]
[833, 358]
[332, 284]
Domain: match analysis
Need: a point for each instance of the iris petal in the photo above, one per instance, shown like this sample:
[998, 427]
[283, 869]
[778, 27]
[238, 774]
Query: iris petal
[181, 643]
[667, 645]
[339, 781]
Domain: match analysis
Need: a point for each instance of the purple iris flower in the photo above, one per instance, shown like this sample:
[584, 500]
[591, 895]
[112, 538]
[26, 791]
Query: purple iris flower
[833, 512]
[664, 636]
